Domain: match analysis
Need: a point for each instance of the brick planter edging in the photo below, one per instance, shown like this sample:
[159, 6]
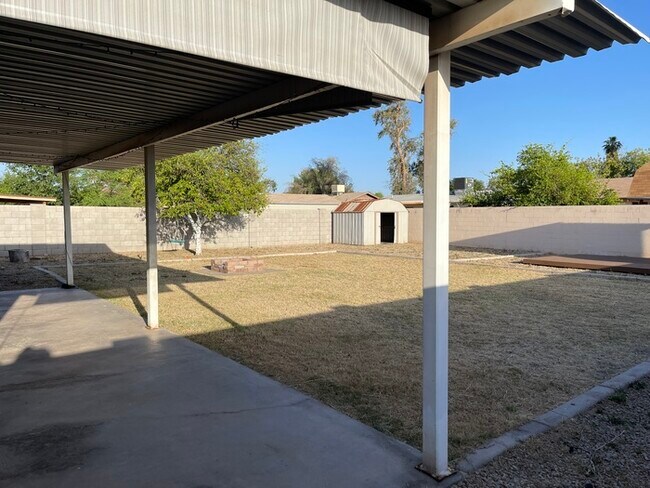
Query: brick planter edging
[237, 265]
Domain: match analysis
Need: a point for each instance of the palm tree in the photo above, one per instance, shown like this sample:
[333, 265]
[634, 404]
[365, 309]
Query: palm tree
[612, 146]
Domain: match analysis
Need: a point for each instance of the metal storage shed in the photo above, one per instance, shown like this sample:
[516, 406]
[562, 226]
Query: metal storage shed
[368, 222]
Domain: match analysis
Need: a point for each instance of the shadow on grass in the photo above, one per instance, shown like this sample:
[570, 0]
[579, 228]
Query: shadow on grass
[516, 349]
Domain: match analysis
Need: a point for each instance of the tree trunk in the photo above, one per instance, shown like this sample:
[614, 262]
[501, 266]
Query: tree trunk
[198, 240]
[197, 231]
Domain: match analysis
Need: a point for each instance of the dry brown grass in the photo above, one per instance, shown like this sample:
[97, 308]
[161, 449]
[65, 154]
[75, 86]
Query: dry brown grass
[346, 329]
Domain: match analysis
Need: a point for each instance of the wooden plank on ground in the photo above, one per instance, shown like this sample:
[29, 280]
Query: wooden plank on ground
[618, 264]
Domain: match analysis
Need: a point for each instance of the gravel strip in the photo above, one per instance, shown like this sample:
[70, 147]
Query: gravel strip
[608, 446]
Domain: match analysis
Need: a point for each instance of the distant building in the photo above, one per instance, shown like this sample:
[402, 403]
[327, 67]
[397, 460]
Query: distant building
[632, 190]
[356, 195]
[416, 200]
[639, 193]
[620, 186]
[25, 200]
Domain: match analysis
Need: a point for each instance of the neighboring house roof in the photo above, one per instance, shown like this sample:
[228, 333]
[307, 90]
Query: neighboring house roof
[410, 199]
[25, 200]
[301, 199]
[620, 185]
[355, 195]
[417, 199]
[640, 187]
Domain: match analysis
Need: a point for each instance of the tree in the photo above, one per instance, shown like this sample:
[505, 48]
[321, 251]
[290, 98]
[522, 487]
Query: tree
[108, 188]
[543, 176]
[417, 167]
[615, 165]
[271, 185]
[479, 185]
[612, 146]
[210, 186]
[395, 123]
[612, 167]
[87, 187]
[31, 180]
[633, 160]
[319, 177]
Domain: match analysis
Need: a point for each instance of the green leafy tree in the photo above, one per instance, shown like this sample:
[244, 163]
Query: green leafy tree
[271, 185]
[620, 167]
[395, 123]
[633, 160]
[417, 167]
[100, 188]
[31, 180]
[206, 188]
[319, 177]
[543, 176]
[615, 164]
[479, 185]
[612, 166]
[87, 187]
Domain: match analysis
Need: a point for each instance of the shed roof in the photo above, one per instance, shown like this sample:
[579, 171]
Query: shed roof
[362, 205]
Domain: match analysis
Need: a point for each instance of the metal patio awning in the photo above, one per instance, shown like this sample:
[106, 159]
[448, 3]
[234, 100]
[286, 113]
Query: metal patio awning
[89, 82]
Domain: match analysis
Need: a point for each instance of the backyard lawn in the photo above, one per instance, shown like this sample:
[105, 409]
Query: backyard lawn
[345, 328]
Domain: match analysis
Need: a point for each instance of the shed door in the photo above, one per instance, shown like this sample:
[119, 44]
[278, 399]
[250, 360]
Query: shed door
[387, 226]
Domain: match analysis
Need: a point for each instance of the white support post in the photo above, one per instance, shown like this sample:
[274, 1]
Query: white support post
[437, 133]
[67, 229]
[152, 251]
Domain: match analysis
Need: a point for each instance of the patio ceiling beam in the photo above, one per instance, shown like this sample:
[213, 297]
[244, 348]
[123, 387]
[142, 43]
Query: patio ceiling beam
[489, 18]
[283, 92]
[336, 99]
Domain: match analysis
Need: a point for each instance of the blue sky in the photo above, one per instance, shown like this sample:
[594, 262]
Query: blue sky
[578, 102]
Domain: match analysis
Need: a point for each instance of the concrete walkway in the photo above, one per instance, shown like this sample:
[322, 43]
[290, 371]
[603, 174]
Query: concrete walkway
[88, 397]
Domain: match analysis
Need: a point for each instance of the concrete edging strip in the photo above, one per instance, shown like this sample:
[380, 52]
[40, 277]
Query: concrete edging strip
[577, 405]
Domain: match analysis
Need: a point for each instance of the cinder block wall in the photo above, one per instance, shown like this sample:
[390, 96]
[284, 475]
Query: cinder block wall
[39, 228]
[619, 230]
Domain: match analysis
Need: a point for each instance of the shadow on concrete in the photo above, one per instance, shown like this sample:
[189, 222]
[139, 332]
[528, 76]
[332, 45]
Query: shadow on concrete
[89, 398]
[508, 347]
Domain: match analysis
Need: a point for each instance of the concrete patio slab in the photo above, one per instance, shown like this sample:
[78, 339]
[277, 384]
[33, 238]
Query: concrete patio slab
[89, 397]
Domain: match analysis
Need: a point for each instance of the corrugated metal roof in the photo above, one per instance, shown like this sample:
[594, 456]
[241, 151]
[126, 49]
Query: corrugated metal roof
[353, 206]
[64, 93]
[591, 26]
